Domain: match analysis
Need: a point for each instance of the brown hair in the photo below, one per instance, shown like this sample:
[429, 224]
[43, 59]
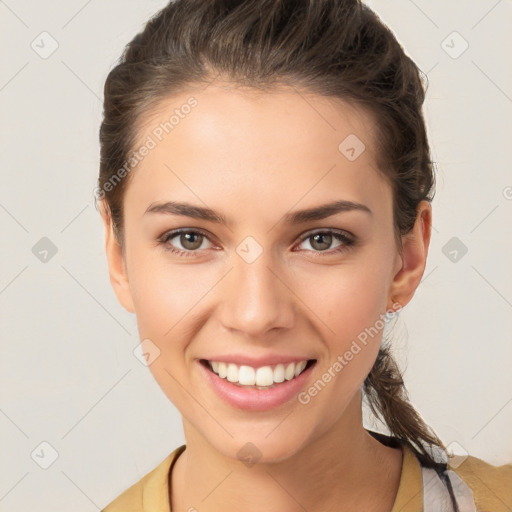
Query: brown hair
[336, 48]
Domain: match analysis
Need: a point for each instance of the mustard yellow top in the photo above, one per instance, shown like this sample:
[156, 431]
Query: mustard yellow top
[491, 486]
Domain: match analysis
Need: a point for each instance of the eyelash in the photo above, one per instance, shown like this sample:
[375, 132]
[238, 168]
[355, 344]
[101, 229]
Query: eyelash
[348, 241]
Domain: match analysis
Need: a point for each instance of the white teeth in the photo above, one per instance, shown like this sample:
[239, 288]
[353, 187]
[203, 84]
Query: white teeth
[223, 370]
[246, 376]
[290, 371]
[264, 376]
[279, 373]
[299, 367]
[232, 372]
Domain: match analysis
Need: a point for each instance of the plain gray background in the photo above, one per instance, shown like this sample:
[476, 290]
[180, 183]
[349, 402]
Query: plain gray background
[68, 375]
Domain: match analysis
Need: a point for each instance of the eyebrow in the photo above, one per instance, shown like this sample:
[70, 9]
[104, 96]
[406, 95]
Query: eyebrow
[297, 217]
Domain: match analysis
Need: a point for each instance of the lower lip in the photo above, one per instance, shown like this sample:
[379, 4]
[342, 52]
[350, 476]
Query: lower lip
[252, 399]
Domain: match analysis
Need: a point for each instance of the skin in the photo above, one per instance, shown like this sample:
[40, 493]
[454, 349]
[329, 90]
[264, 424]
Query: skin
[254, 157]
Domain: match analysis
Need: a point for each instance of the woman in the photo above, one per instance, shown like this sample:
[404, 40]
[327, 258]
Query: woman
[266, 187]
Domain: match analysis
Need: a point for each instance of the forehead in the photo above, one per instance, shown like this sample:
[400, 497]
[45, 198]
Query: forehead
[238, 144]
[224, 110]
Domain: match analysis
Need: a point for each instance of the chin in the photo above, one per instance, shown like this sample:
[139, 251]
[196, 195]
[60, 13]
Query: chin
[257, 448]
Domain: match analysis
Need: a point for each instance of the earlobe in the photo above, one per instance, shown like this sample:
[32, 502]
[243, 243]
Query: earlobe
[413, 257]
[116, 262]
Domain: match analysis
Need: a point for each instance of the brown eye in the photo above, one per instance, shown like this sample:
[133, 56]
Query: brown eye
[184, 242]
[321, 241]
[191, 241]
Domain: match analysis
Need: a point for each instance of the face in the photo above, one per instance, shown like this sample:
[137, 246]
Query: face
[265, 285]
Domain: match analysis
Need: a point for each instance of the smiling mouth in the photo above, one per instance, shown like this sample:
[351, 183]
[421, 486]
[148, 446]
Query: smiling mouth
[264, 377]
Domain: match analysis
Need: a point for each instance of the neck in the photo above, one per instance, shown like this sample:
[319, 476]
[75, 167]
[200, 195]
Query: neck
[343, 469]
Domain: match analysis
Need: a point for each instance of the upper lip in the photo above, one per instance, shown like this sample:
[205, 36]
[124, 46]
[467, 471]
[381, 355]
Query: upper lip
[257, 361]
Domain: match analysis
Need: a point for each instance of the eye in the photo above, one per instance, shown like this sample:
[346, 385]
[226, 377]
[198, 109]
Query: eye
[322, 240]
[190, 240]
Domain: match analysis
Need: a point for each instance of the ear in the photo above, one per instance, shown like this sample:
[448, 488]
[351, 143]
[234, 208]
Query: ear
[116, 261]
[413, 257]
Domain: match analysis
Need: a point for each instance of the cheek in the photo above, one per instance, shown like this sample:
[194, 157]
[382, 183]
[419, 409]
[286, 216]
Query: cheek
[167, 304]
[347, 300]
[348, 305]
[165, 294]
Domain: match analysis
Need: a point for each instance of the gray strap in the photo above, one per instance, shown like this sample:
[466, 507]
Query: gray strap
[436, 497]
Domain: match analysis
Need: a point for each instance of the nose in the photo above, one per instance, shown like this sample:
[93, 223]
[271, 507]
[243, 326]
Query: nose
[256, 298]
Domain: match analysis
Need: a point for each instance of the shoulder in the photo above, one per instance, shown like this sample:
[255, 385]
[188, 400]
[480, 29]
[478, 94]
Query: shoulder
[150, 493]
[491, 485]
